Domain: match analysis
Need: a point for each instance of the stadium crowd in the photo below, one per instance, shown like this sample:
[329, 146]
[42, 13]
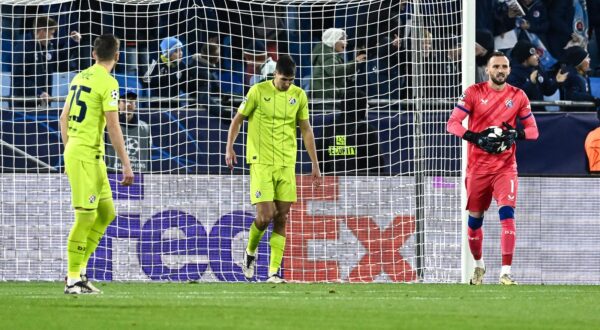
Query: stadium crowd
[203, 55]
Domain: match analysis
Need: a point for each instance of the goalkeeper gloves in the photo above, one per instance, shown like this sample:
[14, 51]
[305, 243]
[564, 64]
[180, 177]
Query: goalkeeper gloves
[512, 134]
[491, 145]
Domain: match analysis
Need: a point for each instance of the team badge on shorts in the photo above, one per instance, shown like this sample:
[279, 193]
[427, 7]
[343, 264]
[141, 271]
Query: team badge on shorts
[292, 101]
[92, 199]
[257, 194]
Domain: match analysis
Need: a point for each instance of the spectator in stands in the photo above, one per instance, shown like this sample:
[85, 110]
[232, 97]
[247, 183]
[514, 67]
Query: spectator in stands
[568, 24]
[351, 145]
[135, 24]
[272, 30]
[448, 71]
[136, 134]
[527, 75]
[36, 59]
[536, 19]
[577, 86]
[207, 62]
[255, 54]
[384, 76]
[330, 73]
[170, 77]
[593, 7]
[484, 47]
[494, 16]
[265, 72]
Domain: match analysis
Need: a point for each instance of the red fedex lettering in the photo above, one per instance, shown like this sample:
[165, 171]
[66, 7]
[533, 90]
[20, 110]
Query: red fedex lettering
[383, 255]
[303, 227]
[383, 247]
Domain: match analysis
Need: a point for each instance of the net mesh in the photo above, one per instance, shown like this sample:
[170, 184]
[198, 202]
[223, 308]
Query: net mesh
[389, 207]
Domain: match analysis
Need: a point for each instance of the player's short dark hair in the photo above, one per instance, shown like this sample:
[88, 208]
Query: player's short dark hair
[45, 22]
[106, 46]
[497, 53]
[286, 66]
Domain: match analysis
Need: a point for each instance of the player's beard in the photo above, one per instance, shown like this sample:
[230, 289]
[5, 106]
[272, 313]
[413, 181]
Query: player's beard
[497, 81]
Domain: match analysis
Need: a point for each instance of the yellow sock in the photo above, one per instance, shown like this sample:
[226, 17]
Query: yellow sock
[277, 243]
[254, 238]
[104, 216]
[77, 241]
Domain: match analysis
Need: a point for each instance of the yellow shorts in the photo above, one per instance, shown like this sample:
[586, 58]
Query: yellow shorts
[272, 183]
[89, 182]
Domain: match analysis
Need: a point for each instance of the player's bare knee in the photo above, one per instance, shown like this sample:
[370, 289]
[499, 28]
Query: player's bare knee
[476, 214]
[280, 218]
[264, 218]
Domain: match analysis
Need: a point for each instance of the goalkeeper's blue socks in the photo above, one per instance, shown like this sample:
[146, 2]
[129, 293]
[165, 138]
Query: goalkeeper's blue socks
[104, 216]
[77, 242]
[254, 238]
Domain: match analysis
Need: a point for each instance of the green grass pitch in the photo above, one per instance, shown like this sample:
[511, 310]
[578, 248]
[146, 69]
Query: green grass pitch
[42, 305]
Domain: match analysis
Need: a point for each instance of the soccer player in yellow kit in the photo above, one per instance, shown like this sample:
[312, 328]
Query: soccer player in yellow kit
[274, 108]
[91, 105]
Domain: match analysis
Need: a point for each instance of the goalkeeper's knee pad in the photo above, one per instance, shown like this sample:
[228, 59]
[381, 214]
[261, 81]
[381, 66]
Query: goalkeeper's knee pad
[475, 223]
[506, 212]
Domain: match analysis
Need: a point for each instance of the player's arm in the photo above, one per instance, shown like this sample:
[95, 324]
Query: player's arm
[234, 130]
[116, 138]
[64, 119]
[529, 131]
[245, 110]
[309, 144]
[481, 139]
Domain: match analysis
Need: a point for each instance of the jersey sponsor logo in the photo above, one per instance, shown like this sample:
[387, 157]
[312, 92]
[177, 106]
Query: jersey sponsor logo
[509, 103]
[92, 199]
[484, 101]
[292, 101]
[267, 99]
[511, 197]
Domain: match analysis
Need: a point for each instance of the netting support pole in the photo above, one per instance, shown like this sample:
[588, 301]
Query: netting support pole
[416, 56]
[468, 78]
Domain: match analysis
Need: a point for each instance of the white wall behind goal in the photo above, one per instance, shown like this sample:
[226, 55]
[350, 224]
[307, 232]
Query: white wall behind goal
[359, 229]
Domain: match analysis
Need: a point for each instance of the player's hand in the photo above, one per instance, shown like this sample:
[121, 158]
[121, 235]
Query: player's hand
[45, 98]
[361, 58]
[489, 144]
[561, 76]
[316, 176]
[512, 134]
[230, 158]
[127, 176]
[76, 36]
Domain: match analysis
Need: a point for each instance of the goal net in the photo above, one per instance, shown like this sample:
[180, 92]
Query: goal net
[389, 206]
